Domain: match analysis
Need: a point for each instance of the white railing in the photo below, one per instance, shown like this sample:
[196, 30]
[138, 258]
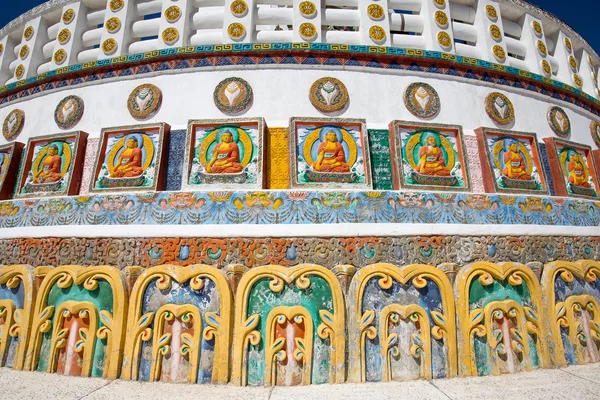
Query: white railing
[65, 32]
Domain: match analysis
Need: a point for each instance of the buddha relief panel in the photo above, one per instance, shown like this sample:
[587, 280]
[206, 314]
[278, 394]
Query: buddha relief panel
[511, 162]
[52, 165]
[428, 156]
[130, 158]
[225, 154]
[330, 153]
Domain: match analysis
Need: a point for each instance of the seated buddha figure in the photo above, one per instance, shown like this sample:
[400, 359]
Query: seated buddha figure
[225, 157]
[431, 159]
[577, 172]
[129, 164]
[50, 170]
[331, 156]
[514, 164]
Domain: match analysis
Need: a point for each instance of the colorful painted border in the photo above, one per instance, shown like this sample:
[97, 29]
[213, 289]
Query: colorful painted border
[307, 54]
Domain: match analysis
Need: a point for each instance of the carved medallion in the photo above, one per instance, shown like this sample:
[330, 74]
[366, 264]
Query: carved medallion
[499, 53]
[376, 12]
[377, 34]
[69, 112]
[491, 12]
[595, 130]
[24, 52]
[113, 25]
[573, 63]
[170, 35]
[236, 31]
[328, 95]
[28, 33]
[20, 71]
[1, 49]
[546, 67]
[542, 48]
[495, 32]
[441, 19]
[116, 5]
[60, 56]
[577, 79]
[64, 36]
[109, 46]
[440, 3]
[239, 8]
[559, 121]
[537, 28]
[422, 100]
[499, 108]
[172, 14]
[444, 40]
[233, 95]
[13, 124]
[68, 16]
[145, 101]
[307, 31]
[568, 45]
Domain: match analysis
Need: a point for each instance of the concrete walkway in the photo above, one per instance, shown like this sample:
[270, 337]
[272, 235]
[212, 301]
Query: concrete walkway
[572, 383]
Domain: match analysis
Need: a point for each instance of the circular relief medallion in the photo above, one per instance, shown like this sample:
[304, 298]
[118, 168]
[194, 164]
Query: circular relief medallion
[499, 53]
[577, 79]
[239, 8]
[422, 100]
[116, 5]
[440, 3]
[233, 96]
[307, 31]
[495, 32]
[173, 13]
[64, 36]
[24, 52]
[1, 49]
[537, 28]
[236, 31]
[542, 48]
[441, 19]
[109, 46]
[376, 12]
[145, 101]
[113, 25]
[307, 9]
[13, 124]
[68, 16]
[28, 33]
[568, 45]
[559, 121]
[328, 95]
[499, 108]
[170, 35]
[491, 12]
[19, 71]
[546, 67]
[573, 63]
[69, 112]
[595, 128]
[377, 34]
[444, 40]
[60, 56]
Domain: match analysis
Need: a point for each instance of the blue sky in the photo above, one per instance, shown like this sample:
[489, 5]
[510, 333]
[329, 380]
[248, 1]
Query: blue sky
[582, 15]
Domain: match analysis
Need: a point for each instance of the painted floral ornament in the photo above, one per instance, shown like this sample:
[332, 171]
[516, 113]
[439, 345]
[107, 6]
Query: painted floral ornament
[68, 16]
[145, 101]
[499, 108]
[559, 121]
[328, 95]
[233, 96]
[595, 130]
[69, 112]
[422, 100]
[13, 124]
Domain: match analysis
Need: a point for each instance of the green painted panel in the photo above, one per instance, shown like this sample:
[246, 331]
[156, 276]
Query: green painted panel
[381, 162]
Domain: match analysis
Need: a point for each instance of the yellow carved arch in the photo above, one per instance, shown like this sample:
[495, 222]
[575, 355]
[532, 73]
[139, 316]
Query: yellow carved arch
[16, 321]
[487, 272]
[557, 312]
[113, 325]
[245, 325]
[139, 329]
[360, 324]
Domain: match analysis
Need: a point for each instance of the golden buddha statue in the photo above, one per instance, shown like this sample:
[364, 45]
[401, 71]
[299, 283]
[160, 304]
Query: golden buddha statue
[514, 164]
[129, 164]
[431, 159]
[331, 156]
[225, 156]
[577, 172]
[50, 170]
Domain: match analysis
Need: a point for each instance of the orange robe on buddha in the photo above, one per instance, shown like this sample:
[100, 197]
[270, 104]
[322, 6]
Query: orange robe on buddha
[131, 164]
[228, 159]
[333, 154]
[577, 175]
[515, 167]
[50, 170]
[431, 162]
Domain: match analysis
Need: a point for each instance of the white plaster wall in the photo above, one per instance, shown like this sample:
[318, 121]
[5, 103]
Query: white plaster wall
[283, 93]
